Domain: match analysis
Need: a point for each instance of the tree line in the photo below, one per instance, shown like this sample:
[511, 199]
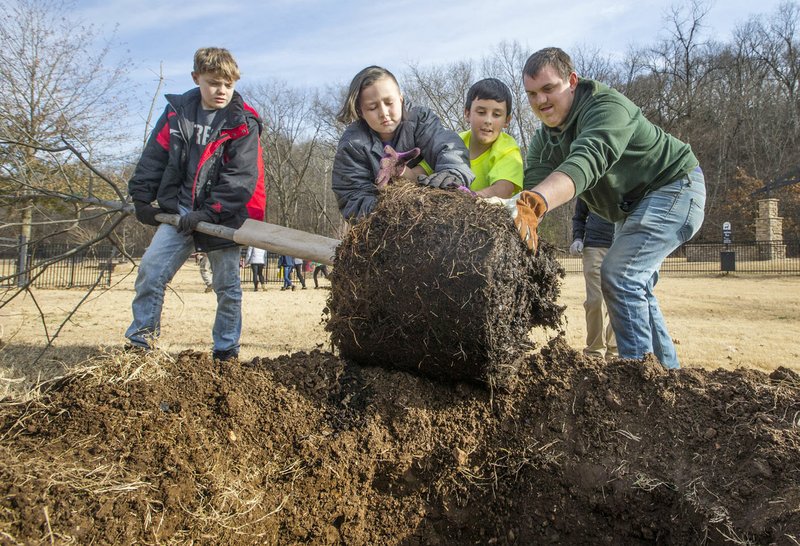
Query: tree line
[737, 102]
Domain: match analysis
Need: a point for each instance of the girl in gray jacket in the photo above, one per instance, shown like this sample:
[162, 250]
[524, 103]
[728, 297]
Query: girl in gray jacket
[382, 128]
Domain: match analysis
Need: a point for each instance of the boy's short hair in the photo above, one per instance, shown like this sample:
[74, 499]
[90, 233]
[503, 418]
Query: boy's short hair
[553, 56]
[489, 89]
[216, 60]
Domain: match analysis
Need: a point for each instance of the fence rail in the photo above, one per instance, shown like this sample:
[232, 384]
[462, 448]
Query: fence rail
[746, 258]
[95, 265]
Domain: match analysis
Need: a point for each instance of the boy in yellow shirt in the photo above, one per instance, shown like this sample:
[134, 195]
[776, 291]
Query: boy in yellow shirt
[494, 155]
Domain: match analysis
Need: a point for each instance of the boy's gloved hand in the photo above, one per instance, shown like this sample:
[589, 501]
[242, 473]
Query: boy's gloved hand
[146, 213]
[393, 163]
[527, 209]
[445, 180]
[188, 222]
[531, 207]
[576, 248]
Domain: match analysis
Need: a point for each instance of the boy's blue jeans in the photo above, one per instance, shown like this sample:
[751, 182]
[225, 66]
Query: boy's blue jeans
[166, 254]
[660, 223]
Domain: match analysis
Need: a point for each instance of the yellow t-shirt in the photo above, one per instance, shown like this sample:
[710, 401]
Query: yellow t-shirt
[503, 161]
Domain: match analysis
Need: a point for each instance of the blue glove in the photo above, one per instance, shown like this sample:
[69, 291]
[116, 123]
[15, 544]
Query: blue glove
[188, 222]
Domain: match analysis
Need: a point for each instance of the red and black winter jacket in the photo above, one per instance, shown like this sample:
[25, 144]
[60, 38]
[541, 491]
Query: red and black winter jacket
[229, 182]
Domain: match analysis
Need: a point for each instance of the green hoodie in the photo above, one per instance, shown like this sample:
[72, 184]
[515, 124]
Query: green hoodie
[612, 153]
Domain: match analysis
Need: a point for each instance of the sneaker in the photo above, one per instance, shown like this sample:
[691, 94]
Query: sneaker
[304, 287]
[293, 287]
[130, 348]
[225, 356]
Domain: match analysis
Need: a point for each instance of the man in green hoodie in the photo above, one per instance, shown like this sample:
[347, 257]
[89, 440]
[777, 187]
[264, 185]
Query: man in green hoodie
[596, 144]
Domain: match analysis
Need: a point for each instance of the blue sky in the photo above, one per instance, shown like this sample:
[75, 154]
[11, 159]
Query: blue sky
[316, 43]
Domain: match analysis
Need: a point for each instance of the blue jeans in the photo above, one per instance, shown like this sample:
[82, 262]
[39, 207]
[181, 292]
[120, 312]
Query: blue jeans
[287, 276]
[166, 254]
[664, 219]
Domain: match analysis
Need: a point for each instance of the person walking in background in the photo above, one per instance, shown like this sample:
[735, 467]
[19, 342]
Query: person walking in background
[592, 236]
[298, 267]
[286, 263]
[255, 258]
[319, 268]
[201, 259]
[202, 161]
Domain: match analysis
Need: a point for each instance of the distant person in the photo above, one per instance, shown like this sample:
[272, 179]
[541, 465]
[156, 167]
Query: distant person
[494, 155]
[286, 263]
[596, 144]
[201, 259]
[386, 138]
[202, 161]
[319, 268]
[298, 268]
[592, 236]
[256, 258]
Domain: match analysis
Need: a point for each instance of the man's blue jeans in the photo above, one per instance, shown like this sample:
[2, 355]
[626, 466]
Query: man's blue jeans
[166, 254]
[665, 219]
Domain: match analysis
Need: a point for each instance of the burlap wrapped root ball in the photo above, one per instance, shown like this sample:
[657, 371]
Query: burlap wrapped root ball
[437, 282]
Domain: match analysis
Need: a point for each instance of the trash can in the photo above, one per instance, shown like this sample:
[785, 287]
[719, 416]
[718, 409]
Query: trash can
[727, 260]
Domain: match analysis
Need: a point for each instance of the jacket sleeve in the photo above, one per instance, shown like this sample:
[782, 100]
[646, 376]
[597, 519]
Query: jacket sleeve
[537, 167]
[579, 219]
[238, 175]
[353, 181]
[143, 185]
[605, 131]
[441, 148]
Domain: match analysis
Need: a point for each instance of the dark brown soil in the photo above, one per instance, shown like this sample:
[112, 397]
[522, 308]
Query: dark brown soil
[310, 449]
[439, 283]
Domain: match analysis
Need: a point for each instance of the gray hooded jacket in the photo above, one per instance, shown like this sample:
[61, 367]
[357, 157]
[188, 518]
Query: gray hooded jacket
[360, 150]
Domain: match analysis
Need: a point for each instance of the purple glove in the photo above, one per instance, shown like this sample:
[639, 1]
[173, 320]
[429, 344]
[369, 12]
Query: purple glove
[393, 164]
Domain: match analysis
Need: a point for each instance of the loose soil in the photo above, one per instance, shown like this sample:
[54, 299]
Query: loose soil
[308, 448]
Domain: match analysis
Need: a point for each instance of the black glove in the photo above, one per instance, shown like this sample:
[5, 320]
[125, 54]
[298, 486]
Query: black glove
[146, 213]
[188, 222]
[445, 180]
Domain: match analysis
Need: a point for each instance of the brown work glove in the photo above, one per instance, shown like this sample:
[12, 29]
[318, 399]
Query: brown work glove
[531, 207]
[393, 163]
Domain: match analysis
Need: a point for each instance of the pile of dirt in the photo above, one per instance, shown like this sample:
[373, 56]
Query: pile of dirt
[439, 283]
[309, 448]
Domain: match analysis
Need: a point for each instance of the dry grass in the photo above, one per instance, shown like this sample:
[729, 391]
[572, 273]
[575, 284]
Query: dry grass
[724, 322]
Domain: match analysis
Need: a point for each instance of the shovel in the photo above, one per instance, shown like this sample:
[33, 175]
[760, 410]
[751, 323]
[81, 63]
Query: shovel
[277, 239]
[271, 237]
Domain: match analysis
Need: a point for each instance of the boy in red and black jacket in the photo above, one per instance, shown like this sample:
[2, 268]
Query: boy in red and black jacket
[202, 161]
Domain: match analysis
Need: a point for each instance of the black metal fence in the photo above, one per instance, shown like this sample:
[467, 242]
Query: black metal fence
[746, 258]
[78, 269]
[95, 265]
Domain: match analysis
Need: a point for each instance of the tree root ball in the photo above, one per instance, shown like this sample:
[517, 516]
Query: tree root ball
[438, 283]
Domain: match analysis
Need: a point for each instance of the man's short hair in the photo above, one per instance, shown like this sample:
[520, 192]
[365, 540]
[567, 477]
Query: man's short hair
[216, 60]
[552, 56]
[489, 89]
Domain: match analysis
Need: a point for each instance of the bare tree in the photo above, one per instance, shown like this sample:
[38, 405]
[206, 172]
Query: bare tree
[440, 88]
[59, 97]
[296, 176]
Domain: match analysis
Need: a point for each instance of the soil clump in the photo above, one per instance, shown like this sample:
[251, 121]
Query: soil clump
[312, 449]
[439, 283]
